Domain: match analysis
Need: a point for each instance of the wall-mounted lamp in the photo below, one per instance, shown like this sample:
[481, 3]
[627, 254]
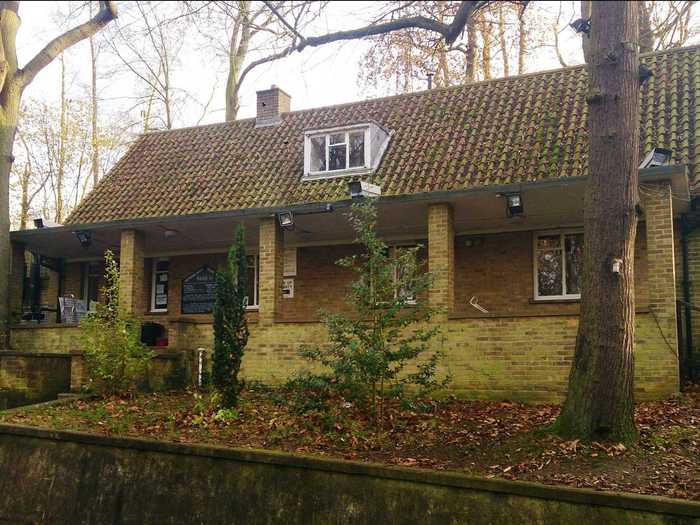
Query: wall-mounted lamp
[473, 241]
[40, 222]
[582, 25]
[360, 188]
[84, 238]
[514, 204]
[286, 220]
[657, 157]
[169, 234]
[617, 266]
[644, 74]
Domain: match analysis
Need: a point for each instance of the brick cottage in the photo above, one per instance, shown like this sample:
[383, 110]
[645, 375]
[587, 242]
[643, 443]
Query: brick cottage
[489, 177]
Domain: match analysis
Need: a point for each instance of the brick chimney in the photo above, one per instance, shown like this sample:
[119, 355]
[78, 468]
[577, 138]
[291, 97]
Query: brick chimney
[271, 104]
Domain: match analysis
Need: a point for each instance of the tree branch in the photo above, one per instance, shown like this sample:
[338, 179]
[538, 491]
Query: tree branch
[107, 13]
[450, 32]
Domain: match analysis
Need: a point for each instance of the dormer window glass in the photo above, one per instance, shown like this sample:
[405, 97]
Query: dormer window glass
[338, 152]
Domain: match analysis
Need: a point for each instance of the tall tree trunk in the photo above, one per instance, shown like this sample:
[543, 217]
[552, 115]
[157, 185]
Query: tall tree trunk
[95, 153]
[646, 35]
[585, 40]
[470, 59]
[502, 39]
[24, 201]
[62, 138]
[237, 53]
[522, 41]
[600, 400]
[485, 30]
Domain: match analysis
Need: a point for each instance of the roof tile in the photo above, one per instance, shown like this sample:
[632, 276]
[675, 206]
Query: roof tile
[512, 130]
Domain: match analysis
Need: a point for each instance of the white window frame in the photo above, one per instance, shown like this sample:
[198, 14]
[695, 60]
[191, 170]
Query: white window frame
[256, 282]
[156, 260]
[328, 174]
[562, 234]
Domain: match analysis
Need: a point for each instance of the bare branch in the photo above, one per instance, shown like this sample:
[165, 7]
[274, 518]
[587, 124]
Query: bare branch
[107, 13]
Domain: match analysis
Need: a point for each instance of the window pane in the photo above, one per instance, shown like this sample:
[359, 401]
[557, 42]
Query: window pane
[251, 285]
[573, 245]
[318, 153]
[337, 138]
[357, 149]
[402, 274]
[549, 272]
[337, 157]
[549, 242]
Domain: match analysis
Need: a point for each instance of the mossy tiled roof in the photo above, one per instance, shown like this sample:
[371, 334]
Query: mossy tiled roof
[512, 130]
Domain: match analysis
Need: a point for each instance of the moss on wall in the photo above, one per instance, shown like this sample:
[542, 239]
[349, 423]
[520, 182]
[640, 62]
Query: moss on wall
[60, 477]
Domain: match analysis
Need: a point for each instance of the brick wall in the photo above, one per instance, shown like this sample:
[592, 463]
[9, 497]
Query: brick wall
[441, 258]
[499, 272]
[320, 284]
[271, 261]
[132, 284]
[32, 378]
[521, 350]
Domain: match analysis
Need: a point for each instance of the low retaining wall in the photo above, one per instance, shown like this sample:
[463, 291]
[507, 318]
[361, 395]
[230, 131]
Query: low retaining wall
[74, 478]
[32, 378]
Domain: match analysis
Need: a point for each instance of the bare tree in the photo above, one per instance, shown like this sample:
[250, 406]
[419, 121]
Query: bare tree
[663, 25]
[148, 47]
[485, 29]
[502, 39]
[95, 164]
[522, 40]
[250, 34]
[407, 56]
[600, 400]
[13, 80]
[29, 182]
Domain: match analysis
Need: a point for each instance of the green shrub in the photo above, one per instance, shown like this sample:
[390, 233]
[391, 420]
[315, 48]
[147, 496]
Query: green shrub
[230, 326]
[386, 329]
[115, 359]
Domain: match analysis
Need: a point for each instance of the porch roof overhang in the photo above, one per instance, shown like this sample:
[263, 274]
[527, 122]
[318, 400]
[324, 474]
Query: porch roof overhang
[554, 203]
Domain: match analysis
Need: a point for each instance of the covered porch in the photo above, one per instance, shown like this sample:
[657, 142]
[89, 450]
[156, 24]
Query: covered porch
[508, 309]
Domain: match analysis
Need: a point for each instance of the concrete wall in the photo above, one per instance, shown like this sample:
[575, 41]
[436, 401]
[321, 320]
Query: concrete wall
[131, 481]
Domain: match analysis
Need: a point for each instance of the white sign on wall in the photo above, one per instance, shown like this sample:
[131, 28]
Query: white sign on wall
[288, 287]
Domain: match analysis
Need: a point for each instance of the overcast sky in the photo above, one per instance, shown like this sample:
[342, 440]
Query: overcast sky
[315, 77]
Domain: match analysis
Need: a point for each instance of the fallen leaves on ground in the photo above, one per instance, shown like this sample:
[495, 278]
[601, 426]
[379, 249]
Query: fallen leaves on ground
[491, 439]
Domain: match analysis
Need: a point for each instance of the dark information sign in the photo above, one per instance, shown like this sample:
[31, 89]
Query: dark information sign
[198, 292]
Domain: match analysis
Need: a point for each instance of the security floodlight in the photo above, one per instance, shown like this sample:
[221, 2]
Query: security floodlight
[360, 188]
[40, 222]
[657, 157]
[582, 25]
[84, 238]
[644, 74]
[286, 220]
[514, 204]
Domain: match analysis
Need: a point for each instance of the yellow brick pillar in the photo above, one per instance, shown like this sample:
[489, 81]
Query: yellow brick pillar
[270, 258]
[441, 256]
[658, 212]
[132, 289]
[17, 271]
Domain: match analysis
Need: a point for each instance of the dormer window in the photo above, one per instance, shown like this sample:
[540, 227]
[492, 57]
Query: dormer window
[340, 152]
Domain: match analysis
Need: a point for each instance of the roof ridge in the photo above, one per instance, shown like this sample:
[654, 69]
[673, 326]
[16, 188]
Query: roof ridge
[420, 93]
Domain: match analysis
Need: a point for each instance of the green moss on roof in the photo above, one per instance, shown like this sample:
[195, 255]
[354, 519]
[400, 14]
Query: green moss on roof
[512, 130]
